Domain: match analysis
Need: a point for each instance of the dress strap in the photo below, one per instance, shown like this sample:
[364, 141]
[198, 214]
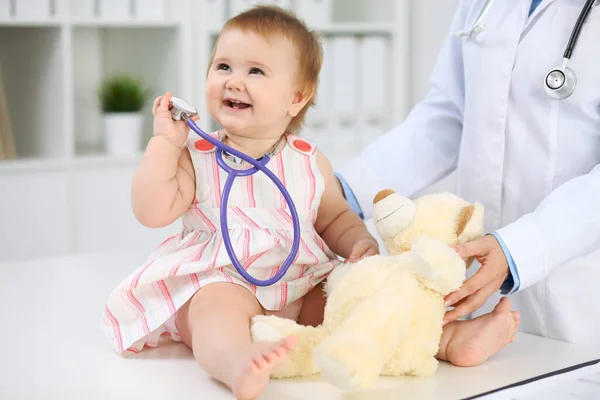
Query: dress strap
[197, 144]
[301, 145]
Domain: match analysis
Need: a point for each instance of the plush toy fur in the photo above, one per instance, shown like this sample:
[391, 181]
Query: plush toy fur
[384, 313]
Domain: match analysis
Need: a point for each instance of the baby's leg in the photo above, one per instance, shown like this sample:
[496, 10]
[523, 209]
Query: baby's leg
[215, 324]
[470, 343]
[313, 307]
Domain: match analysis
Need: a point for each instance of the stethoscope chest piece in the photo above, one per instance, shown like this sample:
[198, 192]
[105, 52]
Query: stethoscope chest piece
[560, 83]
[182, 109]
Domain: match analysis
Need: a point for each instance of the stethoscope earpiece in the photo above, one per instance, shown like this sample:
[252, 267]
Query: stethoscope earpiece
[560, 83]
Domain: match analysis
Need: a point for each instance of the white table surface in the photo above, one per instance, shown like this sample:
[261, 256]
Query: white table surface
[53, 348]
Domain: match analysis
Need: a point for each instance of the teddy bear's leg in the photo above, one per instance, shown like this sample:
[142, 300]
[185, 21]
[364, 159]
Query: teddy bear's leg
[353, 356]
[425, 366]
[301, 361]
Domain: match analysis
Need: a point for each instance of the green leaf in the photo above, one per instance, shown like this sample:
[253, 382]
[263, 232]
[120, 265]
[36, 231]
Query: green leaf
[122, 93]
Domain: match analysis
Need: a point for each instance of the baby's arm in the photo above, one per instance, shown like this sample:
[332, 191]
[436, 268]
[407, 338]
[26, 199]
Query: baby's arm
[163, 185]
[340, 227]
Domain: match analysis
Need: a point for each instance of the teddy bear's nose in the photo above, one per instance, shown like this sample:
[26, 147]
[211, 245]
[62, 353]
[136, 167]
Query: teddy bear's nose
[382, 195]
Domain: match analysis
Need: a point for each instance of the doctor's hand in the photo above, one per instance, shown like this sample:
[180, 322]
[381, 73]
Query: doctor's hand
[163, 125]
[488, 279]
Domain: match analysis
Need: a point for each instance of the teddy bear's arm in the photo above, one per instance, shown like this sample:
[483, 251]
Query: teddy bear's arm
[437, 265]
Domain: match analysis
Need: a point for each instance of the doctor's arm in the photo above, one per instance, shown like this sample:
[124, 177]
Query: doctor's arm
[565, 225]
[425, 147]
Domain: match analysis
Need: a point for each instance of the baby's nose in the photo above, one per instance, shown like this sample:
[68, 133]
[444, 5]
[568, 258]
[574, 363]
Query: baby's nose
[234, 84]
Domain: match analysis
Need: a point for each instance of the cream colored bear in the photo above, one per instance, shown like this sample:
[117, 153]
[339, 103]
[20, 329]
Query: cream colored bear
[384, 313]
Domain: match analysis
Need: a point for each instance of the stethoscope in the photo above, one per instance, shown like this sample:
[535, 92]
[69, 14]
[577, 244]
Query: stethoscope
[182, 110]
[560, 82]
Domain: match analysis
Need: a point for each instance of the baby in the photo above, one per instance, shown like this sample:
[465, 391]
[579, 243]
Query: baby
[262, 79]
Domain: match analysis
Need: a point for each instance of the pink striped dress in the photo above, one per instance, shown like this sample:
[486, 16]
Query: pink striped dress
[142, 308]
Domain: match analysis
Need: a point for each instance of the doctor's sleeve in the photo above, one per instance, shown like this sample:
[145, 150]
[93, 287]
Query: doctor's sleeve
[425, 147]
[564, 226]
[511, 283]
[350, 197]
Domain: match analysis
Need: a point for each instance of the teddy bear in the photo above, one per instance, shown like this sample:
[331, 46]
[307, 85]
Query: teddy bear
[384, 313]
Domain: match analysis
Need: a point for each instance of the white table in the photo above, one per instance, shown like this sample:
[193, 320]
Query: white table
[53, 348]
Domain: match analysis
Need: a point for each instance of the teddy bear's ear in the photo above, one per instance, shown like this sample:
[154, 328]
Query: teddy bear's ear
[470, 223]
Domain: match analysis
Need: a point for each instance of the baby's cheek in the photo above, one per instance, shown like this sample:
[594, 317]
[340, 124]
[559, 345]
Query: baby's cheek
[211, 92]
[212, 98]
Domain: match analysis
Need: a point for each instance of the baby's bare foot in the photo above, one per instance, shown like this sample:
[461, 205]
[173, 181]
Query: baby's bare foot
[473, 342]
[256, 365]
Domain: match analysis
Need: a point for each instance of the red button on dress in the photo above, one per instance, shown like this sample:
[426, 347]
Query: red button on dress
[302, 145]
[203, 145]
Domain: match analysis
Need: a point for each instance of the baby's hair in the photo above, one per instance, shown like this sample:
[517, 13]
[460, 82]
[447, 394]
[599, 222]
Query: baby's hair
[267, 21]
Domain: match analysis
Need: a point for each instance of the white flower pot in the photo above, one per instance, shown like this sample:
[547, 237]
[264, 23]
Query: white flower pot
[123, 133]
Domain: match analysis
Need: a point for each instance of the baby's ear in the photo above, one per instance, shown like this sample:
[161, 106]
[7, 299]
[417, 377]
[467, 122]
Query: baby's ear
[470, 223]
[301, 98]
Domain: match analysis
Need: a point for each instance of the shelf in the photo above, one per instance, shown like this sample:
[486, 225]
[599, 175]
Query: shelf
[30, 23]
[126, 23]
[105, 161]
[53, 164]
[129, 23]
[100, 52]
[32, 72]
[31, 164]
[357, 28]
[348, 29]
[68, 123]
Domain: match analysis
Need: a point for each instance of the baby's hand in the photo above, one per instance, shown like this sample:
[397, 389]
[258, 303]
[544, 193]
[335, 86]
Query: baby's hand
[363, 248]
[164, 125]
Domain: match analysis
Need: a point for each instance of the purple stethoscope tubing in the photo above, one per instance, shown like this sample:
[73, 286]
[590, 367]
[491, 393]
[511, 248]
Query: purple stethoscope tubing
[257, 165]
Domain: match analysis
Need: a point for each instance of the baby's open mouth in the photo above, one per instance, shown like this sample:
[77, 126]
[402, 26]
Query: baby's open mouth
[238, 105]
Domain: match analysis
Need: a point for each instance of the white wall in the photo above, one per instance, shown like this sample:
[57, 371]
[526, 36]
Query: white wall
[96, 190]
[431, 21]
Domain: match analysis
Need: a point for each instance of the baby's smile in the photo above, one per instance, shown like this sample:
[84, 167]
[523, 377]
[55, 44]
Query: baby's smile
[235, 105]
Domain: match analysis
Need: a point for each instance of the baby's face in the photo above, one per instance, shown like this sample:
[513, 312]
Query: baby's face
[251, 89]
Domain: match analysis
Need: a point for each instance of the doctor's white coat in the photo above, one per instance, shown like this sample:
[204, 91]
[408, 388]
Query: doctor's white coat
[532, 161]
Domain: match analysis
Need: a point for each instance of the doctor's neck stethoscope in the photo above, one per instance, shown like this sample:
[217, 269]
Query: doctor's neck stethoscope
[559, 82]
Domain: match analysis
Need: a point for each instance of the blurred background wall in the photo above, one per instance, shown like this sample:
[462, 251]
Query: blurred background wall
[65, 177]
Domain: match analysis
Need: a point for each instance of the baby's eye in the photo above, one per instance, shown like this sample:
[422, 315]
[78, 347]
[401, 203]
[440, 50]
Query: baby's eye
[256, 71]
[223, 67]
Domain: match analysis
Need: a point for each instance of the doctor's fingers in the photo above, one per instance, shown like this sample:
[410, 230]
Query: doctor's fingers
[476, 248]
[469, 304]
[482, 277]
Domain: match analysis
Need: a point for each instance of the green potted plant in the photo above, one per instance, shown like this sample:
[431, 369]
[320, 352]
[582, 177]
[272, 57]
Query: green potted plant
[122, 98]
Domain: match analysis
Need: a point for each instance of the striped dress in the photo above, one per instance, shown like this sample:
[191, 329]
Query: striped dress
[143, 307]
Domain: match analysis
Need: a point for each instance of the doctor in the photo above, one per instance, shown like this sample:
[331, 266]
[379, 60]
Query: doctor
[529, 153]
